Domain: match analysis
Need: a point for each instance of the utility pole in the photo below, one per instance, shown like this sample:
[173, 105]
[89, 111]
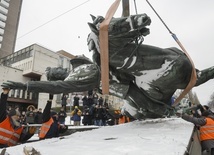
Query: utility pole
[125, 5]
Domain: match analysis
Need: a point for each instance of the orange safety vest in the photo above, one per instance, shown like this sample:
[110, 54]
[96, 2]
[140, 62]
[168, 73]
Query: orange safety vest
[117, 111]
[207, 131]
[8, 135]
[45, 128]
[124, 119]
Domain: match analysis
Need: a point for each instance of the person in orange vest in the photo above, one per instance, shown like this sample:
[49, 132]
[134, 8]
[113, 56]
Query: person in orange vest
[11, 130]
[50, 127]
[123, 119]
[116, 116]
[206, 128]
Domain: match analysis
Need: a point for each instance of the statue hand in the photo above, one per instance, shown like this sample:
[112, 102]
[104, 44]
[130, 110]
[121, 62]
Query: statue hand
[6, 90]
[13, 85]
[56, 73]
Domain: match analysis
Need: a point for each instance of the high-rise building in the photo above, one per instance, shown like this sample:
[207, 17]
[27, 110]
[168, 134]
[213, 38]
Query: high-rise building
[9, 20]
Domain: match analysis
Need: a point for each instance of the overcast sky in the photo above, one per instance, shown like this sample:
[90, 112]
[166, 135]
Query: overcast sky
[63, 25]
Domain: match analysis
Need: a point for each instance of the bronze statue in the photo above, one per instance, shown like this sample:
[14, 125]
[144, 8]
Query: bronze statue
[145, 76]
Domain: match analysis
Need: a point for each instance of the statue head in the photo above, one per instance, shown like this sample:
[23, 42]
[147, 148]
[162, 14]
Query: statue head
[121, 31]
[56, 73]
[79, 60]
[93, 41]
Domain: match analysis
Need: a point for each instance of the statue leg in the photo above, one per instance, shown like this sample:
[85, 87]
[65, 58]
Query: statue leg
[140, 105]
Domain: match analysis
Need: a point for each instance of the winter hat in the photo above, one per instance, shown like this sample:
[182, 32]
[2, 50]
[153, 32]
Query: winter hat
[206, 113]
[206, 107]
[13, 112]
[53, 113]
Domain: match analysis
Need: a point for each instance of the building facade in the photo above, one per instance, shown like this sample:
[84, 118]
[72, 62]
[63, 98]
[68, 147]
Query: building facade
[9, 20]
[29, 64]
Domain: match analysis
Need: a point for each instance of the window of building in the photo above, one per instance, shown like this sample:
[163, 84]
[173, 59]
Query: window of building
[12, 93]
[31, 53]
[28, 95]
[23, 94]
[34, 96]
[3, 17]
[68, 65]
[1, 32]
[2, 24]
[4, 3]
[60, 61]
[17, 93]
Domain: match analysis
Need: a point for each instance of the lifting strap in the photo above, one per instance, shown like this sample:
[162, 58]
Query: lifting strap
[104, 50]
[193, 78]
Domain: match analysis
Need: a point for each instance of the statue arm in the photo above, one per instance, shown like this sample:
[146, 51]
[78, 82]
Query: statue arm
[84, 78]
[57, 87]
[3, 105]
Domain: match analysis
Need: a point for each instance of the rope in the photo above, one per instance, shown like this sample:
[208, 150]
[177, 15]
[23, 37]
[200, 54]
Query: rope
[159, 17]
[193, 78]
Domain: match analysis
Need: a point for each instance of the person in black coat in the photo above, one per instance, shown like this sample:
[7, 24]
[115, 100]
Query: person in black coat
[87, 117]
[38, 117]
[90, 101]
[100, 101]
[64, 101]
[76, 100]
[62, 115]
[85, 100]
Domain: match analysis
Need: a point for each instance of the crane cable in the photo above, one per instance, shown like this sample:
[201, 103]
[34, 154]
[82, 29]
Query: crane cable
[135, 6]
[193, 78]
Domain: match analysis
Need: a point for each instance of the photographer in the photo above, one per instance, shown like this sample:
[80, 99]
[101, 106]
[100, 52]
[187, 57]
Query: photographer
[76, 116]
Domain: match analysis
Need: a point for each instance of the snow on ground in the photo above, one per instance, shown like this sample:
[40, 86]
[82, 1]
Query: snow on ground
[167, 136]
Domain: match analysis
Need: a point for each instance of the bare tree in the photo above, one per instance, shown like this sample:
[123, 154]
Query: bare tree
[211, 102]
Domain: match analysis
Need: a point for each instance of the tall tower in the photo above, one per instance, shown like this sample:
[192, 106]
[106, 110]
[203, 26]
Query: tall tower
[9, 19]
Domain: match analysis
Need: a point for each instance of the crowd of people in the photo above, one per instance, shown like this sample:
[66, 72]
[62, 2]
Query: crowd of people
[96, 112]
[34, 116]
[15, 127]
